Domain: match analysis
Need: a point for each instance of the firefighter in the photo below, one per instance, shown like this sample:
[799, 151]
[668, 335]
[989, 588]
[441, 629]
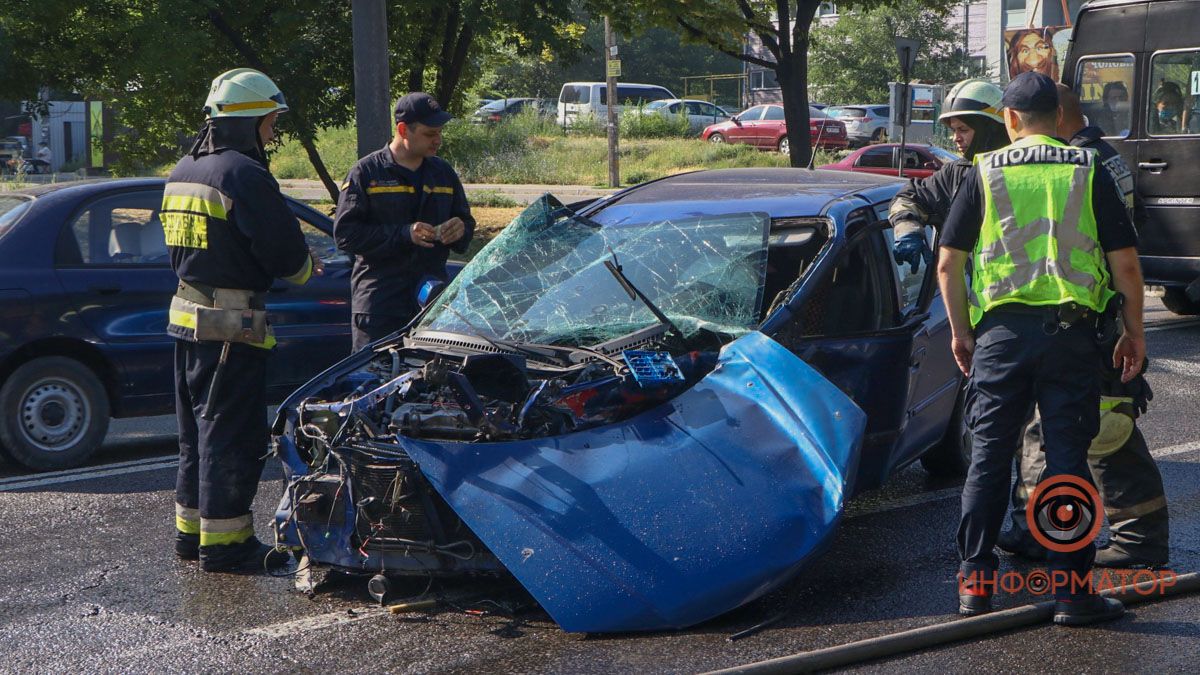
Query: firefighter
[1042, 228]
[1130, 483]
[230, 235]
[972, 113]
[401, 211]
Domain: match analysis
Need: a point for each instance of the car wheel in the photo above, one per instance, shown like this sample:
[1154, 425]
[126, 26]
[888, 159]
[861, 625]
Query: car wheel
[880, 136]
[1176, 300]
[53, 413]
[952, 456]
[784, 146]
[716, 138]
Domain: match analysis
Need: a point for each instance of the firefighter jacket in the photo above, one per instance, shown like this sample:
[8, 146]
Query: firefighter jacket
[379, 202]
[926, 201]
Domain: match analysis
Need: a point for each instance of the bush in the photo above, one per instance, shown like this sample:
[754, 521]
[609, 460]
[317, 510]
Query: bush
[642, 124]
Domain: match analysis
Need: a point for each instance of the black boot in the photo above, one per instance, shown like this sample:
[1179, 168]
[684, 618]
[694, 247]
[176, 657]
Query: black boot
[187, 546]
[1113, 555]
[1082, 610]
[973, 598]
[1021, 544]
[249, 556]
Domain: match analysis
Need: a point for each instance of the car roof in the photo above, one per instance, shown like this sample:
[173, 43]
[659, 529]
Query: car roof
[83, 188]
[779, 192]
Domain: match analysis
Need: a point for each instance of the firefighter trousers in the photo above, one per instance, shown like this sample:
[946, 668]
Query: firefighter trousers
[223, 439]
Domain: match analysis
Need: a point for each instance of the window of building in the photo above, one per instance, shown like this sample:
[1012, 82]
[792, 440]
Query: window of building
[827, 9]
[763, 79]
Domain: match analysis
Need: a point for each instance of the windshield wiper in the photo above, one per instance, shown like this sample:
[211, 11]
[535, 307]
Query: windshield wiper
[504, 345]
[614, 267]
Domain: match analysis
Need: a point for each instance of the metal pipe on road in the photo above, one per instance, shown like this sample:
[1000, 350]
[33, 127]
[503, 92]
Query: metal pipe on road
[954, 631]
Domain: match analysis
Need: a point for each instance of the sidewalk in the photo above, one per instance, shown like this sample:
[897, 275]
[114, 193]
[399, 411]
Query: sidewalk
[312, 190]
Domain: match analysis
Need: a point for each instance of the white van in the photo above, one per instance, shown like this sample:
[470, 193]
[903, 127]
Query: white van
[578, 100]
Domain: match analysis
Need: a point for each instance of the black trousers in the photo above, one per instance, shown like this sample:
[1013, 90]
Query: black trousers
[1017, 364]
[368, 328]
[220, 460]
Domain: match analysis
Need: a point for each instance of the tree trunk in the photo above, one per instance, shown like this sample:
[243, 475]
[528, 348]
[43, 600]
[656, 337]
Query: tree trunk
[794, 87]
[314, 157]
[451, 72]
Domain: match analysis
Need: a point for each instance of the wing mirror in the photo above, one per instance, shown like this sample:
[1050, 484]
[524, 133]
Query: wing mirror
[736, 119]
[930, 165]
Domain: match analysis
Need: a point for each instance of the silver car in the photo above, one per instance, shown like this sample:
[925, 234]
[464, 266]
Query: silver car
[864, 123]
[700, 113]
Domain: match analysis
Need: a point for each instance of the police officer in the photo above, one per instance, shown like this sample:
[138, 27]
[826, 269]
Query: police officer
[1130, 483]
[230, 235]
[401, 211]
[1041, 255]
[972, 113]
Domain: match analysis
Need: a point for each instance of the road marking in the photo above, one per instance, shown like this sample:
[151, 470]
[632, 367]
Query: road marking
[71, 472]
[1172, 450]
[24, 483]
[318, 622]
[1168, 324]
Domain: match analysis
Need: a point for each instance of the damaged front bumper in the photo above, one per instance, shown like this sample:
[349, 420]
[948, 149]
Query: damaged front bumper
[675, 515]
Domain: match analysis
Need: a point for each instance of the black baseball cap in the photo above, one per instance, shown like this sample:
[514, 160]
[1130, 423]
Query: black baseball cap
[1031, 92]
[421, 108]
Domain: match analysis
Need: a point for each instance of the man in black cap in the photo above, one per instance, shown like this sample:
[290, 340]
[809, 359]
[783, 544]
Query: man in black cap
[401, 211]
[1043, 228]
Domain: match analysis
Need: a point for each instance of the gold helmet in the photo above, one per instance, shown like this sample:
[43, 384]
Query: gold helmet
[243, 92]
[973, 97]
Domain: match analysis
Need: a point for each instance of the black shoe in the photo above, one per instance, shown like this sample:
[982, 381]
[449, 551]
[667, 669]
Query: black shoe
[249, 556]
[1087, 609]
[1115, 556]
[973, 599]
[1021, 544]
[187, 546]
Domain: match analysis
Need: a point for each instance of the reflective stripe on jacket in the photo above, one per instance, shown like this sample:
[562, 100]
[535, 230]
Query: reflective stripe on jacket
[1039, 243]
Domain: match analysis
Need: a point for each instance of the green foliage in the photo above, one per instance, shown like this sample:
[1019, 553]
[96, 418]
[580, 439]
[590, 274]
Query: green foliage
[853, 60]
[492, 199]
[638, 123]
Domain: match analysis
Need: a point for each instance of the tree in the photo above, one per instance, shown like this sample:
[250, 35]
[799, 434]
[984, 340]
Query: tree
[783, 26]
[152, 60]
[853, 60]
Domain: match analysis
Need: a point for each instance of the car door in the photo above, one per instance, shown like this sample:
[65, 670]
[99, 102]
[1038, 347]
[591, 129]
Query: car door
[850, 324]
[744, 129]
[699, 116]
[771, 129]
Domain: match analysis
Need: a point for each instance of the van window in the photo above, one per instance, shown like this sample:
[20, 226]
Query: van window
[575, 93]
[631, 95]
[1174, 103]
[1104, 84]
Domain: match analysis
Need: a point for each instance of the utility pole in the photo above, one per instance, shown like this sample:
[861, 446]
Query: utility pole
[966, 38]
[371, 98]
[906, 52]
[612, 67]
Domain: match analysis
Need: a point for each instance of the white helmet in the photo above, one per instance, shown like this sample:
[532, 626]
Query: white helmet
[243, 92]
[973, 97]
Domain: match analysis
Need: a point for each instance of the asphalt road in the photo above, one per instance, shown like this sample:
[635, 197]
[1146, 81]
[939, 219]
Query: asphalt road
[90, 584]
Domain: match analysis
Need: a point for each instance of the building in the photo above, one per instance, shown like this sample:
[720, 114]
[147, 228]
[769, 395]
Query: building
[984, 25]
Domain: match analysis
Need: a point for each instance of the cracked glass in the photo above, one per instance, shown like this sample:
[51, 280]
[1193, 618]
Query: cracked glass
[544, 279]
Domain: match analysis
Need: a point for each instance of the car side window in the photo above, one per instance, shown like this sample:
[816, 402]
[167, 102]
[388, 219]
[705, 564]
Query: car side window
[694, 108]
[752, 114]
[910, 280]
[877, 158]
[673, 108]
[123, 229]
[774, 112]
[856, 297]
[1174, 102]
[1105, 85]
[318, 240]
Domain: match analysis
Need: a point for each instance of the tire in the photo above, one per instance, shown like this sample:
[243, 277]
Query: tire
[880, 136]
[952, 456]
[1176, 300]
[784, 146]
[53, 413]
[716, 138]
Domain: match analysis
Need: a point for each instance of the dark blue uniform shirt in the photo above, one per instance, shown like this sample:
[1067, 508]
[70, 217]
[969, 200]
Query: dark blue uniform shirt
[379, 202]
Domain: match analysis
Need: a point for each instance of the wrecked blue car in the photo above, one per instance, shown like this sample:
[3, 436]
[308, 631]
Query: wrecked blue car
[648, 410]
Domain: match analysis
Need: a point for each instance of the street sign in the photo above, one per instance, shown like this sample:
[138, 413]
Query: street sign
[614, 68]
[906, 51]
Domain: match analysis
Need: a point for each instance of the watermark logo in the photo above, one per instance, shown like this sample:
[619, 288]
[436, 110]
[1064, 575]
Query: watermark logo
[1064, 513]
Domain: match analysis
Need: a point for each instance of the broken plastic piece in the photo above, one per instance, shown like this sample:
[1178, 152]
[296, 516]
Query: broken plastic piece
[652, 369]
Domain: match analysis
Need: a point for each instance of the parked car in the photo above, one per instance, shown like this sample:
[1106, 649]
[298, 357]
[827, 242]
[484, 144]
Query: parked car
[1136, 67]
[920, 160]
[11, 152]
[864, 123]
[85, 283]
[700, 114]
[579, 100]
[504, 108]
[763, 126]
[648, 410]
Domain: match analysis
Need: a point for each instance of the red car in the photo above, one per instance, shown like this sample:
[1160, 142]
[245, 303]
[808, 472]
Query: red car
[762, 126]
[920, 160]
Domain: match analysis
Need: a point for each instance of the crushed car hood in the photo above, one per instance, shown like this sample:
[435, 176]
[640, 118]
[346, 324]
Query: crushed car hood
[673, 516]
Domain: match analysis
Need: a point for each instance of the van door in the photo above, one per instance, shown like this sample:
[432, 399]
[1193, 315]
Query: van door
[1169, 156]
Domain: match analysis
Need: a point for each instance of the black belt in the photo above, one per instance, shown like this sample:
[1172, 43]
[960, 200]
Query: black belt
[1054, 317]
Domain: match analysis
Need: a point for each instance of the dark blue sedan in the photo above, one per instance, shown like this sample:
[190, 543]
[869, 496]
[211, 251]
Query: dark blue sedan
[85, 283]
[648, 410]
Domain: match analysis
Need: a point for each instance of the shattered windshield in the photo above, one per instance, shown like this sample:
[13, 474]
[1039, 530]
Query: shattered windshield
[544, 279]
